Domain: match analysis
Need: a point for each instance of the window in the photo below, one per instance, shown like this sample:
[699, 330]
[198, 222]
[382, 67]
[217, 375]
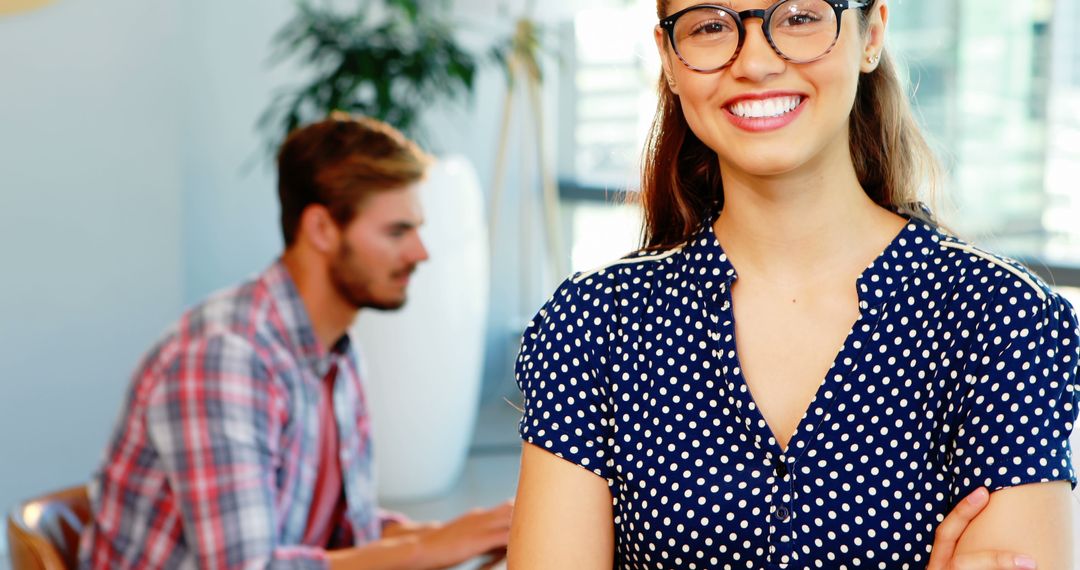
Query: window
[997, 91]
[615, 67]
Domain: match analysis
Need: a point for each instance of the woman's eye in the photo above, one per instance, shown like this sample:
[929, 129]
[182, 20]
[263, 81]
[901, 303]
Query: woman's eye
[800, 19]
[708, 28]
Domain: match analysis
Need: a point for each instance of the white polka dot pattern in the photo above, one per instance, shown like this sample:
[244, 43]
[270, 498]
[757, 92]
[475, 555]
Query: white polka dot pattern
[958, 373]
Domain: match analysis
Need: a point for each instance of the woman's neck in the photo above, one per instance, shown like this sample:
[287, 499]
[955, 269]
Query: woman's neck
[797, 226]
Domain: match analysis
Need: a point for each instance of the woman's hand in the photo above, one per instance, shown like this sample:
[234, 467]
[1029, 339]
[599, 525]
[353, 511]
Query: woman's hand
[943, 554]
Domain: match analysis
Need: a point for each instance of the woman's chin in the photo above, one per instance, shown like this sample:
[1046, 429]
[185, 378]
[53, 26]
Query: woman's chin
[769, 165]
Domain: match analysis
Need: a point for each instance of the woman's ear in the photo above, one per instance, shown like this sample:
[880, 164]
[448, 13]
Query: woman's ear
[875, 36]
[665, 58]
[319, 230]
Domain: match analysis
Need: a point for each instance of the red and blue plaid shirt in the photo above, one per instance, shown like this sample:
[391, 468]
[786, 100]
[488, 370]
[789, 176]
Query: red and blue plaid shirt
[215, 456]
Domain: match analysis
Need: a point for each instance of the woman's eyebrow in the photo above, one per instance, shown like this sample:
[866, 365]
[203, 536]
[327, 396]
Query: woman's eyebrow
[724, 3]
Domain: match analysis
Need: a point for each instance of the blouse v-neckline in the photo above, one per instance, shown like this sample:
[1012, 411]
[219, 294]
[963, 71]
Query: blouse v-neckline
[878, 282]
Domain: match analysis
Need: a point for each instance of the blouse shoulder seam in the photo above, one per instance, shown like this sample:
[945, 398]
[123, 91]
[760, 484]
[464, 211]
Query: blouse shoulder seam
[626, 261]
[998, 261]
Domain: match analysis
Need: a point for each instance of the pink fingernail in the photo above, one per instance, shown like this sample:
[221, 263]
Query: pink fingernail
[976, 496]
[1025, 562]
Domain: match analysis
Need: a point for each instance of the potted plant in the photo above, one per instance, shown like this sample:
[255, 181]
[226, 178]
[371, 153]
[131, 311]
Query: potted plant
[423, 365]
[388, 60]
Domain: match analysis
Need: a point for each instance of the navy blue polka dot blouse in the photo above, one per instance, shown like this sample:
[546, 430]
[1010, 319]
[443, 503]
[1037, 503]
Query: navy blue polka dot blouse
[961, 371]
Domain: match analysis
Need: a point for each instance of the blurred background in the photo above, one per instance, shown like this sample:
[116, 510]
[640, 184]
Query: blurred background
[135, 177]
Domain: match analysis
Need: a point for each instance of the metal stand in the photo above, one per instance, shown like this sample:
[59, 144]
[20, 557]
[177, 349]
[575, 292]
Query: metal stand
[523, 70]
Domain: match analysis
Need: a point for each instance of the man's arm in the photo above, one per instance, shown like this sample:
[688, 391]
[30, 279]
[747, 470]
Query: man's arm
[431, 545]
[397, 553]
[1035, 519]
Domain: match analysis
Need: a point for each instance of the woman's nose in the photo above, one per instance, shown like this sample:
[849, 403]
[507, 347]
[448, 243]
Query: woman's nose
[757, 60]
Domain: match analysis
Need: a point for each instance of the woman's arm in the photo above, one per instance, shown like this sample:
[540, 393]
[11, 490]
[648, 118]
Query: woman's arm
[1035, 519]
[562, 516]
[563, 519]
[1020, 409]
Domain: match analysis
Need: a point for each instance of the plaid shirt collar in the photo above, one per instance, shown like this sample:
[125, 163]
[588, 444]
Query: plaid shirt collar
[297, 322]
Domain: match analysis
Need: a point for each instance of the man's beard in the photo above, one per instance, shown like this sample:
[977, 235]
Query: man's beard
[355, 286]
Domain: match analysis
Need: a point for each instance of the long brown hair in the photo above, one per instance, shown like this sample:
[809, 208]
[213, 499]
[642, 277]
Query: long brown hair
[680, 179]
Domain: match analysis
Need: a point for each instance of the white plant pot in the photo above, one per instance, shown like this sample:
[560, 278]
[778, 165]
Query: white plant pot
[424, 363]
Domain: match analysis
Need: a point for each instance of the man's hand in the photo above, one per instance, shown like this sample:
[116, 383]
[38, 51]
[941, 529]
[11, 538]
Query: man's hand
[397, 529]
[943, 554]
[480, 531]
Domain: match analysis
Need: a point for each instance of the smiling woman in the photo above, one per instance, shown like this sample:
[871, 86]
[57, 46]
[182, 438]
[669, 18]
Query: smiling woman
[881, 370]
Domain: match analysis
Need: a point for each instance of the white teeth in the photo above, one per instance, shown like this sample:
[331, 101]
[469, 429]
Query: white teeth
[761, 108]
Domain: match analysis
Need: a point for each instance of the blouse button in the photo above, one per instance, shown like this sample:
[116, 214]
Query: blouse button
[781, 468]
[782, 513]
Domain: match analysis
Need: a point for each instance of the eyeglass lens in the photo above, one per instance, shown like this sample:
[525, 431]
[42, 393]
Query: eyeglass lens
[801, 30]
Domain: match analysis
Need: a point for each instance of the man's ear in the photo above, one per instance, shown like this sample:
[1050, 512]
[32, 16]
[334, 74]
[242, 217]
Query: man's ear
[319, 230]
[875, 36]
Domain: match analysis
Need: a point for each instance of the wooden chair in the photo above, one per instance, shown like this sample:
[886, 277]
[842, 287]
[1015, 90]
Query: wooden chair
[43, 533]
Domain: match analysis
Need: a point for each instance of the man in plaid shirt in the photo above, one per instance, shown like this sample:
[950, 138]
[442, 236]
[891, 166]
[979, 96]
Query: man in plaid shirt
[244, 439]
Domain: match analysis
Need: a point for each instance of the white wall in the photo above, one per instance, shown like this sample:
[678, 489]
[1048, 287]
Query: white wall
[230, 207]
[90, 239]
[125, 127]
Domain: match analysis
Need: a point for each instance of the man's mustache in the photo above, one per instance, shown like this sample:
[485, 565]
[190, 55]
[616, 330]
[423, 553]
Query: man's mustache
[404, 272]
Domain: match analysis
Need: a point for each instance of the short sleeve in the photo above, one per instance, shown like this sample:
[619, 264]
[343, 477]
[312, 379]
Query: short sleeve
[1023, 400]
[559, 371]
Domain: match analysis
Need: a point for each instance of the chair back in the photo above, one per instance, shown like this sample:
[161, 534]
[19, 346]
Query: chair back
[43, 533]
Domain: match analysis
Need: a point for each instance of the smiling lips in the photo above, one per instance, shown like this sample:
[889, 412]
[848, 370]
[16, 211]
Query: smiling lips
[760, 113]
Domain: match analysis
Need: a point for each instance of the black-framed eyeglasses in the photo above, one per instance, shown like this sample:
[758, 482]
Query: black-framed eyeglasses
[708, 37]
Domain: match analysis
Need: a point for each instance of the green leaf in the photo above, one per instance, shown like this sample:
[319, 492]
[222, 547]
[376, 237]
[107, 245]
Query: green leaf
[393, 67]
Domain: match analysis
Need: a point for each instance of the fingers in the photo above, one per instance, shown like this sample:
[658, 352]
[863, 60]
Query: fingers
[474, 533]
[504, 510]
[949, 531]
[496, 517]
[943, 554]
[486, 529]
[505, 507]
[991, 560]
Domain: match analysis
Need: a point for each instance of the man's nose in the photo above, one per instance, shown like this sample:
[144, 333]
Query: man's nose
[421, 252]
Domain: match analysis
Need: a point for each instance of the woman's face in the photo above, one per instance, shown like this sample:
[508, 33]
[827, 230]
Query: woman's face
[741, 112]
